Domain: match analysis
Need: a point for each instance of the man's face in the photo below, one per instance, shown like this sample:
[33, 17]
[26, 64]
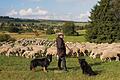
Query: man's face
[62, 36]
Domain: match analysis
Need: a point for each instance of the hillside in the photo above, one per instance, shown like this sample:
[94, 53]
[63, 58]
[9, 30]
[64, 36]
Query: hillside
[6, 19]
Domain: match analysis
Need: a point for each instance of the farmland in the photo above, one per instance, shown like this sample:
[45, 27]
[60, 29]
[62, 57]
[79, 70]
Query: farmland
[80, 38]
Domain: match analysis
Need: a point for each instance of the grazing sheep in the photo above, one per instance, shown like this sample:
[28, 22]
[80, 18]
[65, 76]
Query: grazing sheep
[71, 49]
[33, 54]
[96, 53]
[26, 53]
[23, 49]
[37, 47]
[13, 51]
[52, 50]
[4, 49]
[109, 54]
[29, 48]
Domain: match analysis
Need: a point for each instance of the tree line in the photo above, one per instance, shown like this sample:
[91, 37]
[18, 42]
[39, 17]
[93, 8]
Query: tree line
[48, 27]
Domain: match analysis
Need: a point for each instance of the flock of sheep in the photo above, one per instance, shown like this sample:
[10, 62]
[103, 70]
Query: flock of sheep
[32, 48]
[28, 48]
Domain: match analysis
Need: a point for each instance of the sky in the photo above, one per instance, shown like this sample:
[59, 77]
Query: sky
[72, 10]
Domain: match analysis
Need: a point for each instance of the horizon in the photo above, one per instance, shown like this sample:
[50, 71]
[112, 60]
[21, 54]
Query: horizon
[63, 10]
[46, 19]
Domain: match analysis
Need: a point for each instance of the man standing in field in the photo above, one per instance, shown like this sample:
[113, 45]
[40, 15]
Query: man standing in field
[61, 51]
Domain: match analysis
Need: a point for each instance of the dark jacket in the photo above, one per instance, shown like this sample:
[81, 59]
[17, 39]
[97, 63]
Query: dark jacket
[61, 49]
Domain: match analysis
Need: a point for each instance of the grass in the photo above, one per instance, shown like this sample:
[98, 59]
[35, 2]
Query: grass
[17, 68]
[80, 38]
[68, 38]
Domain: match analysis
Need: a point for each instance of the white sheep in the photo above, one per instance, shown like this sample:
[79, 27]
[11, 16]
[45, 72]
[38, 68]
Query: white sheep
[52, 50]
[13, 51]
[108, 54]
[33, 54]
[4, 49]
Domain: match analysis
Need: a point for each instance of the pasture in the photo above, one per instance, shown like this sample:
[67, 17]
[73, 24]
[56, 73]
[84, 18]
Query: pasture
[42, 35]
[17, 68]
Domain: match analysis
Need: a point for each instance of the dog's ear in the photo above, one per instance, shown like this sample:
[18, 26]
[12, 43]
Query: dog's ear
[48, 55]
[82, 59]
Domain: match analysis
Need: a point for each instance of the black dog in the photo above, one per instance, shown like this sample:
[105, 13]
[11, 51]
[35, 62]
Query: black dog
[43, 62]
[86, 69]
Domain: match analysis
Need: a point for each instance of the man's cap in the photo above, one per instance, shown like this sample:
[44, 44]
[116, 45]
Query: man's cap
[59, 34]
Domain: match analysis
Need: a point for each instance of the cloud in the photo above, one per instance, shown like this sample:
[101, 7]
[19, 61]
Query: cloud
[12, 13]
[32, 12]
[38, 13]
[72, 17]
[82, 15]
[25, 12]
[68, 17]
[28, 12]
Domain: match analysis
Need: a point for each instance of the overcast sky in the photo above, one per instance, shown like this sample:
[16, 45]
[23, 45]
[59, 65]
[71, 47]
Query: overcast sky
[75, 10]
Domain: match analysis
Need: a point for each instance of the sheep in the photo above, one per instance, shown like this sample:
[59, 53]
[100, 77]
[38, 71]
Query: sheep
[23, 49]
[71, 49]
[33, 54]
[13, 51]
[36, 47]
[30, 47]
[36, 51]
[108, 54]
[4, 49]
[52, 50]
[26, 53]
[81, 48]
[37, 41]
[96, 53]
[98, 49]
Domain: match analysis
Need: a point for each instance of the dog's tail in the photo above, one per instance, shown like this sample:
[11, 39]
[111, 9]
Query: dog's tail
[93, 73]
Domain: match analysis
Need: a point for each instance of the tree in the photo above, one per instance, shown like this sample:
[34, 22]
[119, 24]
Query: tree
[29, 30]
[50, 30]
[36, 33]
[6, 37]
[2, 26]
[14, 29]
[104, 22]
[69, 29]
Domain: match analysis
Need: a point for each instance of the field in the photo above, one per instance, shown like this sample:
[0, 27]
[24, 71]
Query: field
[17, 68]
[80, 38]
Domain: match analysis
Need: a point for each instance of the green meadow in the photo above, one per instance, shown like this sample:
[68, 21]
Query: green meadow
[80, 38]
[17, 68]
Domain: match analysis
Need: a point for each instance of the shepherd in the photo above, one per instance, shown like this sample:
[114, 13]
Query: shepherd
[61, 51]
